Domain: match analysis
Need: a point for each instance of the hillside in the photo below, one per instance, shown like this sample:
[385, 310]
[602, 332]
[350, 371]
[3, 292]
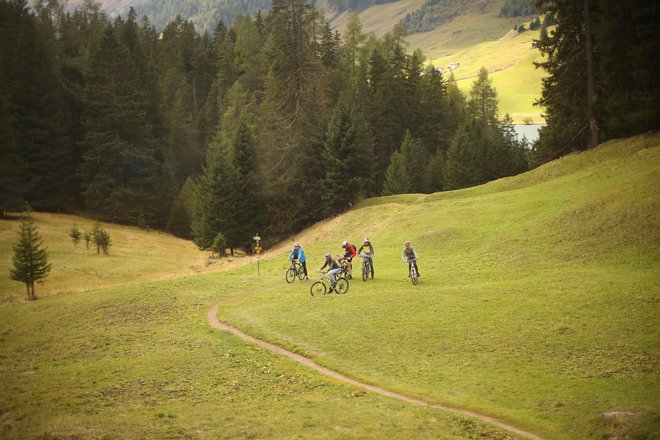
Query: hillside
[538, 305]
[135, 256]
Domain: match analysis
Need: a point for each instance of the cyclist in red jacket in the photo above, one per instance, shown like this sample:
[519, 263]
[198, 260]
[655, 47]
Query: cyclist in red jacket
[349, 254]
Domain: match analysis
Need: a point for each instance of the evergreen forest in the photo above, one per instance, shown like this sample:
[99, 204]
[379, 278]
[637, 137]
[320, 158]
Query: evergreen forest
[277, 121]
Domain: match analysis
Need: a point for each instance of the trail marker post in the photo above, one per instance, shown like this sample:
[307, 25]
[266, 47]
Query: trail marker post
[257, 249]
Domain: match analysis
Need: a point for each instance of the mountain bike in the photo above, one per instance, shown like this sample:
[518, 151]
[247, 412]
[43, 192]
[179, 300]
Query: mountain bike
[324, 285]
[344, 269]
[414, 276]
[296, 270]
[367, 266]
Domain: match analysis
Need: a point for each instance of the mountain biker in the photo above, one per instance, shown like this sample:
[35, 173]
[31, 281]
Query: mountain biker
[368, 249]
[349, 253]
[410, 256]
[298, 254]
[333, 269]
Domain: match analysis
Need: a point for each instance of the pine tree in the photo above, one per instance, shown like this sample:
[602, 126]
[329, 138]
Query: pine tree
[467, 157]
[396, 178]
[30, 261]
[294, 114]
[565, 89]
[482, 102]
[178, 222]
[250, 210]
[75, 234]
[11, 166]
[348, 157]
[416, 161]
[120, 171]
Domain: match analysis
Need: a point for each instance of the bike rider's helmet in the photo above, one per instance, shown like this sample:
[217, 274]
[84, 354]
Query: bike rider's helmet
[328, 255]
[344, 244]
[296, 245]
[366, 240]
[407, 243]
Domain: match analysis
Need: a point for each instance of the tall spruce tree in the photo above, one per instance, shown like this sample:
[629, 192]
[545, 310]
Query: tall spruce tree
[348, 158]
[250, 209]
[565, 90]
[294, 113]
[119, 169]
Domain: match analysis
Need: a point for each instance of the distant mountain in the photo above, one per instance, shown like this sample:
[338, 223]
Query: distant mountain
[205, 14]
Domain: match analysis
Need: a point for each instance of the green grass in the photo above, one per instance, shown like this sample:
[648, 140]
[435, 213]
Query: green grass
[538, 304]
[538, 301]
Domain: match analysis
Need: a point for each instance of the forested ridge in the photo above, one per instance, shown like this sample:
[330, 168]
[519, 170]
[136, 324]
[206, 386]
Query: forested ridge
[206, 13]
[266, 125]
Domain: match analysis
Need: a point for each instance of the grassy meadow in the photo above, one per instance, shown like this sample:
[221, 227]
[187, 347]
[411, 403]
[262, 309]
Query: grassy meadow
[538, 304]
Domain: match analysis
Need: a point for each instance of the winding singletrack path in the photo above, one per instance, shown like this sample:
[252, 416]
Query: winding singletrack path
[215, 323]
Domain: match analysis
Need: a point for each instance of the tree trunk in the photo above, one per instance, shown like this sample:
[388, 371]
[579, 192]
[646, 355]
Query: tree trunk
[591, 95]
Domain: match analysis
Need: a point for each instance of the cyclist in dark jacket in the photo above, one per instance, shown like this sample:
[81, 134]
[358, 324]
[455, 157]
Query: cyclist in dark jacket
[333, 268]
[410, 256]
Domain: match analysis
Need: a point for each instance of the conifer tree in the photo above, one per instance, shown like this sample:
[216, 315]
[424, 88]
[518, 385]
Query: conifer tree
[396, 178]
[467, 155]
[250, 210]
[11, 166]
[30, 261]
[482, 102]
[178, 222]
[75, 234]
[416, 160]
[119, 169]
[348, 158]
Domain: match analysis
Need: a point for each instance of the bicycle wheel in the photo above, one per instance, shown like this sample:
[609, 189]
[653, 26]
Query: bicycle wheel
[301, 273]
[365, 271]
[341, 286]
[317, 289]
[413, 276]
[290, 275]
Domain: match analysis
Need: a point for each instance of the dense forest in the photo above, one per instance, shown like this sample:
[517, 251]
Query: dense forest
[266, 125]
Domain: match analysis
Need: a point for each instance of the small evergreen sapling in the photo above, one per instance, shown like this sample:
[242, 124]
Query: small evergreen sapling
[101, 239]
[87, 237]
[75, 234]
[30, 262]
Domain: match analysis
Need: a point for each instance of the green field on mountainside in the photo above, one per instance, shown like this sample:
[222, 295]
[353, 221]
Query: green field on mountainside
[538, 304]
[509, 61]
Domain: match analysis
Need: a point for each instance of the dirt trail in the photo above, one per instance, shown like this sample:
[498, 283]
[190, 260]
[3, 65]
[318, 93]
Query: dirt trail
[215, 323]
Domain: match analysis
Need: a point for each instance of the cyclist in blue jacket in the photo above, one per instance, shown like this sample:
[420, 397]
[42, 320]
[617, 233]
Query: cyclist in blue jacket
[298, 254]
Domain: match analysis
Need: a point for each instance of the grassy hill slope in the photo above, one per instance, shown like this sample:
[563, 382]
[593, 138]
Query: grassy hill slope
[538, 304]
[135, 255]
[538, 301]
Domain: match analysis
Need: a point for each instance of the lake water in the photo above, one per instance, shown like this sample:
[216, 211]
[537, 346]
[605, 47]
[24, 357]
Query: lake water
[530, 131]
